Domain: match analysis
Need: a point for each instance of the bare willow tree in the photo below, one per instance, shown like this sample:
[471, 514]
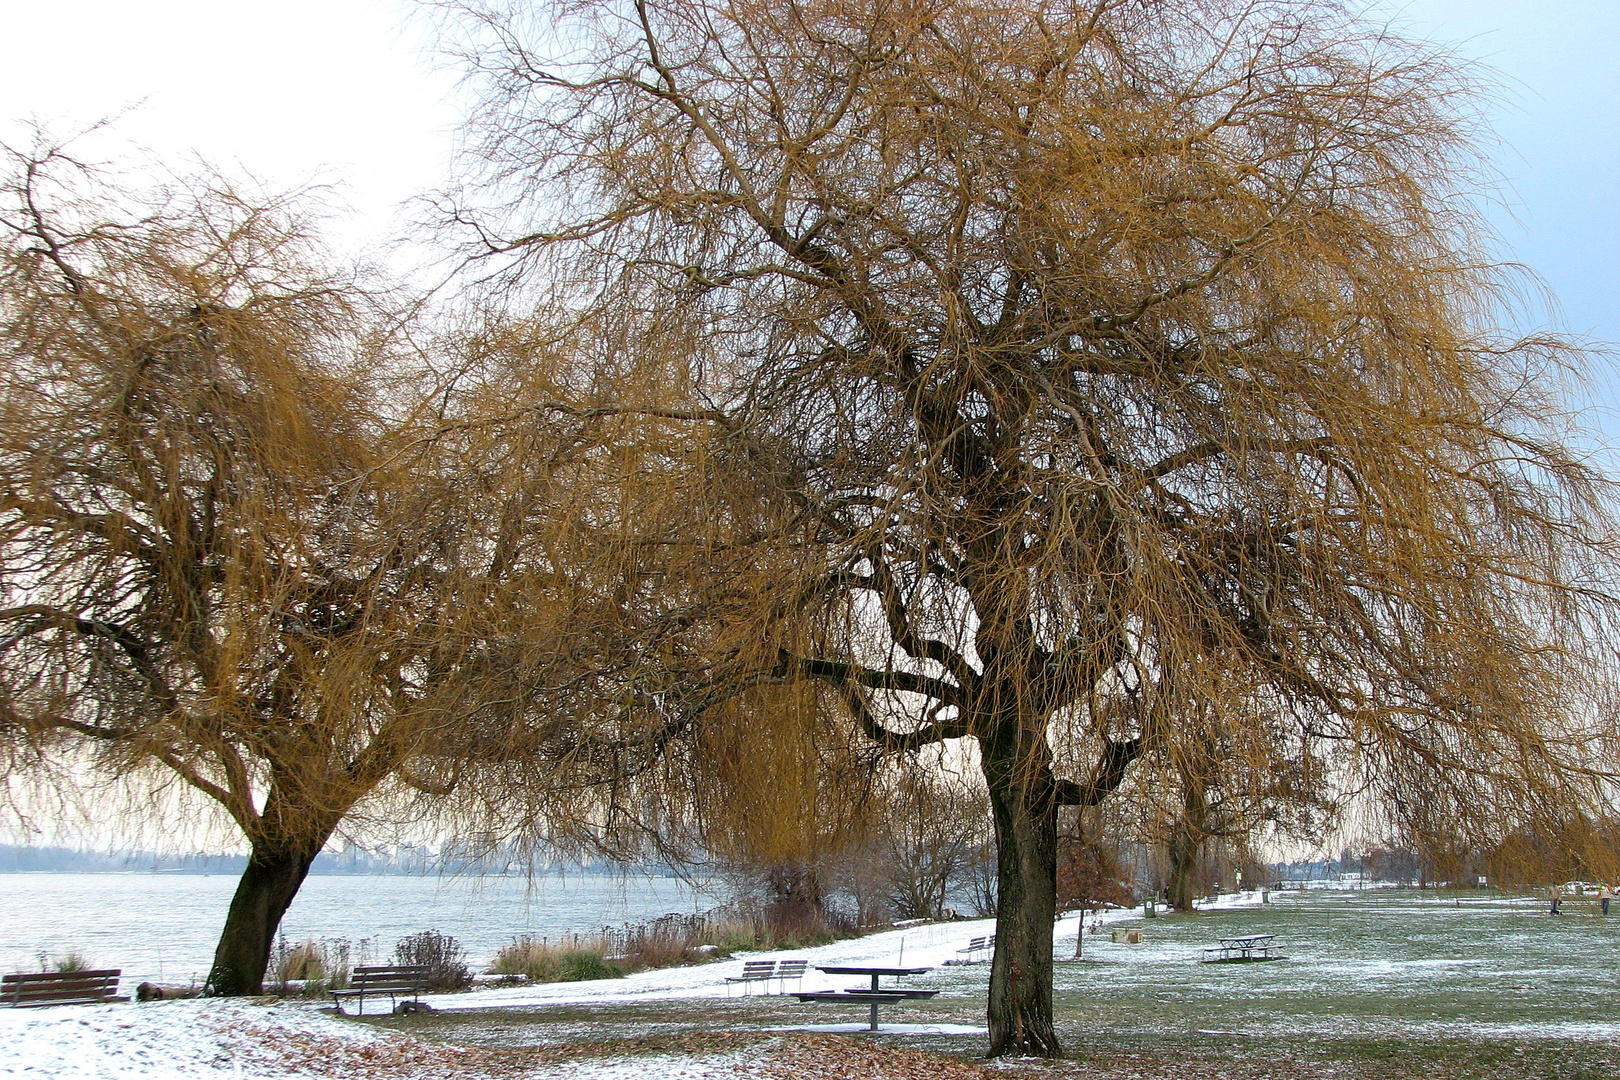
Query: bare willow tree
[1046, 364]
[228, 558]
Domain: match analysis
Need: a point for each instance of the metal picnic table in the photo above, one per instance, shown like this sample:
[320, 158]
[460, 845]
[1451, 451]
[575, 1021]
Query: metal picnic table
[1238, 950]
[875, 995]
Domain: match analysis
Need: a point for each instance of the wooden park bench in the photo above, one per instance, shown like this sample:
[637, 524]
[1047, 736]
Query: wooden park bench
[754, 971]
[61, 988]
[395, 981]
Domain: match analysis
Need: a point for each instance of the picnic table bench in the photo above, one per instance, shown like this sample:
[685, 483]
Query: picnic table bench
[766, 970]
[395, 980]
[978, 945]
[870, 995]
[34, 988]
[1239, 950]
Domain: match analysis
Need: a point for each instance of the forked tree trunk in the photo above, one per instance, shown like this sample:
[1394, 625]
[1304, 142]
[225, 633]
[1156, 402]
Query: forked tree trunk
[1021, 799]
[271, 880]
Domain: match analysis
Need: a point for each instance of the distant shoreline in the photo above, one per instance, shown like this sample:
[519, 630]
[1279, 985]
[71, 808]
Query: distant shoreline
[15, 859]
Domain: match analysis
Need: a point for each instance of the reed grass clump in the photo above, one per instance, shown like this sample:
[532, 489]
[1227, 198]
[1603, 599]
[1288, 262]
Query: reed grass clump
[538, 960]
[70, 961]
[311, 967]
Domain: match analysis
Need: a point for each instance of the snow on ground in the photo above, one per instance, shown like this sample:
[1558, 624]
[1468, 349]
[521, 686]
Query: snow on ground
[236, 1039]
[888, 1029]
[929, 945]
[195, 1039]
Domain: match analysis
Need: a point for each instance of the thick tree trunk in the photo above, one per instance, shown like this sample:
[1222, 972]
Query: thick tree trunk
[271, 880]
[1182, 848]
[1021, 798]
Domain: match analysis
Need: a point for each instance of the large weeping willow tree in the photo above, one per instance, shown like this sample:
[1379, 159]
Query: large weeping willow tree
[1033, 373]
[241, 552]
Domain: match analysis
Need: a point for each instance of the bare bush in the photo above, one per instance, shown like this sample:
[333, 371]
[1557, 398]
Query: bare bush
[441, 954]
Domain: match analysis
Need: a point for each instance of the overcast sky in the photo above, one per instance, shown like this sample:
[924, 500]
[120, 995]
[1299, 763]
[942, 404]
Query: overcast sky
[346, 92]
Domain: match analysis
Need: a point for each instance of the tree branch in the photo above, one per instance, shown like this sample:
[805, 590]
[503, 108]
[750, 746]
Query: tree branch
[1106, 775]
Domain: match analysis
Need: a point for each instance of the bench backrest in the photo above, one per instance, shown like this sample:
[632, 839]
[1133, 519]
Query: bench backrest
[758, 968]
[398, 977]
[792, 969]
[59, 987]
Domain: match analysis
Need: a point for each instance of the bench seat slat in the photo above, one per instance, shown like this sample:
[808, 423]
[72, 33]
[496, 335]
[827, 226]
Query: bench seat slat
[864, 995]
[35, 988]
[380, 979]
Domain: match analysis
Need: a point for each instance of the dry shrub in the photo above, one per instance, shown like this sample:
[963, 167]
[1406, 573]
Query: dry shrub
[70, 961]
[667, 941]
[304, 961]
[541, 961]
[441, 954]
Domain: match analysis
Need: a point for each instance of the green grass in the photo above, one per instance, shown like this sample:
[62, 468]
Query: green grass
[1378, 986]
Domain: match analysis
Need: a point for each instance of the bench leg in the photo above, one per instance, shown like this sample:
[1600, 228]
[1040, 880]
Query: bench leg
[874, 1016]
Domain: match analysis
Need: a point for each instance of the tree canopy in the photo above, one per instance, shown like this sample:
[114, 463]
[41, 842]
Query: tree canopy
[241, 547]
[1046, 366]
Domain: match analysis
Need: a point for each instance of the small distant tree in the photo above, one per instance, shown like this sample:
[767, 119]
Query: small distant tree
[1090, 876]
[932, 827]
[1231, 779]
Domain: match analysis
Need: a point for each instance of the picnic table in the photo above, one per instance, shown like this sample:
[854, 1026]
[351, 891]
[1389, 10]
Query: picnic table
[874, 995]
[1239, 950]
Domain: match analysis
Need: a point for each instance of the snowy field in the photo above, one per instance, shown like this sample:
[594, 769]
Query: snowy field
[1376, 969]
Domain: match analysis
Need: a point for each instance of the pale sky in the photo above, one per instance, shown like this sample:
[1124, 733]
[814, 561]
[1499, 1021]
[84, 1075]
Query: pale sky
[346, 92]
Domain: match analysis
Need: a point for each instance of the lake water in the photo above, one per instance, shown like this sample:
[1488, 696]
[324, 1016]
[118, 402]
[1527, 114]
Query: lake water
[163, 927]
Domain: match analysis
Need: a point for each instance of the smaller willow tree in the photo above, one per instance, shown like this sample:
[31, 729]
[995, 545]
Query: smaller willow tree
[239, 550]
[1046, 365]
[1237, 772]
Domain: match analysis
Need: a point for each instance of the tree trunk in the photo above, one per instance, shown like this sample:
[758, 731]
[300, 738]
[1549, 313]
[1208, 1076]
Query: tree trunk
[1022, 801]
[1182, 848]
[271, 880]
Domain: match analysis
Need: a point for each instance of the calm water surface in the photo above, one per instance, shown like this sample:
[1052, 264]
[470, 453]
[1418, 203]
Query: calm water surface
[164, 926]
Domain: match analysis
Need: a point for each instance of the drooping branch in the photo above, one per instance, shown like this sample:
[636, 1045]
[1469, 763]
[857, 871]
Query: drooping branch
[896, 614]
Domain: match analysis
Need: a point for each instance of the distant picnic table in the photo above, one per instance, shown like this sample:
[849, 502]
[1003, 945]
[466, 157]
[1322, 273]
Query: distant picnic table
[1237, 950]
[874, 995]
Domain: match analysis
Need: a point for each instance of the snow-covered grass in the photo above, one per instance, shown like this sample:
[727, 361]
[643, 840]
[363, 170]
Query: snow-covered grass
[1405, 984]
[195, 1039]
[928, 945]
